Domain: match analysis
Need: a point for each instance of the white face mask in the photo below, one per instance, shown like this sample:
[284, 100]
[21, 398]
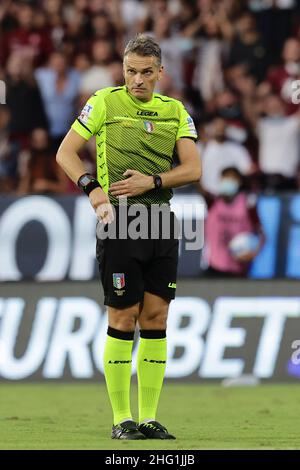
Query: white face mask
[229, 187]
[292, 68]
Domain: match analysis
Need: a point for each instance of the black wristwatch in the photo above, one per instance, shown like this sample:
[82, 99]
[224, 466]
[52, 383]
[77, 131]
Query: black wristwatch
[157, 181]
[87, 183]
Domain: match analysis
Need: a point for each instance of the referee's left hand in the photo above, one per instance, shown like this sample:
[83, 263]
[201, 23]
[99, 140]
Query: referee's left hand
[101, 205]
[136, 183]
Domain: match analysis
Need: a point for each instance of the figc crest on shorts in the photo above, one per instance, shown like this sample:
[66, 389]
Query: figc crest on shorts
[119, 280]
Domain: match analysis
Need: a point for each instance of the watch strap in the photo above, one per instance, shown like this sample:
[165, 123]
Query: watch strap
[87, 183]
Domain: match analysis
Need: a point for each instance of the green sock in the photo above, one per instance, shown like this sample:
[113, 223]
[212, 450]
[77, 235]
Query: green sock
[117, 371]
[151, 365]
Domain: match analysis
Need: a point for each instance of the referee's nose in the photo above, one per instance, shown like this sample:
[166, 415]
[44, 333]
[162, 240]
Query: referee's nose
[138, 79]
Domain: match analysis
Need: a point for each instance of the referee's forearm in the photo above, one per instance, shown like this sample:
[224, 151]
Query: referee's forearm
[181, 175]
[70, 163]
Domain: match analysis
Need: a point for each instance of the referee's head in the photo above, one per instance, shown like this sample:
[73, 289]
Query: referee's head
[142, 66]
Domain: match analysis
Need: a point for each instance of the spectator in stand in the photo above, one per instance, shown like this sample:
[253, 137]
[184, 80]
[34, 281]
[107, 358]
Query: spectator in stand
[76, 34]
[247, 47]
[116, 70]
[38, 169]
[8, 154]
[281, 78]
[279, 145]
[132, 12]
[103, 27]
[59, 85]
[219, 153]
[99, 74]
[208, 76]
[54, 12]
[185, 15]
[23, 99]
[152, 9]
[82, 63]
[231, 213]
[25, 37]
[227, 105]
[172, 50]
[275, 19]
[52, 7]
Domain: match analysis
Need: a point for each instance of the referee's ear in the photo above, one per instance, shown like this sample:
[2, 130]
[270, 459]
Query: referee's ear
[160, 72]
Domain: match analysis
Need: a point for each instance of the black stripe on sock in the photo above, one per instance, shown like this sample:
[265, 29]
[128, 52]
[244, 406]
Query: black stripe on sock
[153, 334]
[127, 335]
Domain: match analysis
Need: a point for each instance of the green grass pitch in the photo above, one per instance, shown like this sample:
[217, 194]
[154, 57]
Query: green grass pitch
[78, 416]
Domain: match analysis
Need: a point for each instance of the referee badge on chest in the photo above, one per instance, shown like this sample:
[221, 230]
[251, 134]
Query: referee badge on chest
[149, 126]
[119, 283]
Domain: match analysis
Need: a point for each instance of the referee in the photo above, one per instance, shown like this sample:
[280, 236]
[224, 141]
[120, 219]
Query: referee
[137, 132]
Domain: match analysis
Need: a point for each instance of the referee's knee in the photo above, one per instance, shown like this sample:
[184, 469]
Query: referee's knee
[154, 320]
[123, 319]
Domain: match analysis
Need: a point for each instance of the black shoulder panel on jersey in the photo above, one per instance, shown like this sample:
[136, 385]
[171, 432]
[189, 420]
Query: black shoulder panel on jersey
[116, 89]
[84, 126]
[165, 101]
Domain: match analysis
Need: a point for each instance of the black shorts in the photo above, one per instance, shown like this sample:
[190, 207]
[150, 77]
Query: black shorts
[129, 267]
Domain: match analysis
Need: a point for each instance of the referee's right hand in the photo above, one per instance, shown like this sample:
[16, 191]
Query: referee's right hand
[101, 205]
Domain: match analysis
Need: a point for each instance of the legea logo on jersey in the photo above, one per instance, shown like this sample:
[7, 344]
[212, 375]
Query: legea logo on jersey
[119, 280]
[147, 113]
[149, 126]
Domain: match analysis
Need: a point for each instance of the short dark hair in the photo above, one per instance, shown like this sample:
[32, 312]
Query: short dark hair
[145, 46]
[232, 170]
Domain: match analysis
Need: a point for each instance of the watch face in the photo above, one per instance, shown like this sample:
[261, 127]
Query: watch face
[85, 180]
[157, 182]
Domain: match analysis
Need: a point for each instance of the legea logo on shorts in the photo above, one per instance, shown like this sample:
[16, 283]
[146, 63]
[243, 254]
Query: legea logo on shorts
[172, 285]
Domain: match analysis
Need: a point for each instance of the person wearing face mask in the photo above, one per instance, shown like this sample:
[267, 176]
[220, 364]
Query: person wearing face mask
[230, 214]
[218, 153]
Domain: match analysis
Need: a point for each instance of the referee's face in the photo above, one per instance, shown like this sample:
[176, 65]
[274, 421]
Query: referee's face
[141, 74]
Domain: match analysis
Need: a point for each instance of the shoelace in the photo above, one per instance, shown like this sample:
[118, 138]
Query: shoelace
[128, 428]
[155, 426]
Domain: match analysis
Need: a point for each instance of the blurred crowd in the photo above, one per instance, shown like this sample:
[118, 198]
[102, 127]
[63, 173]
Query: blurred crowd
[234, 64]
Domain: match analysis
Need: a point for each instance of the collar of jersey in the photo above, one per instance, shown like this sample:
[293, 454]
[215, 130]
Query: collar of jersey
[139, 102]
